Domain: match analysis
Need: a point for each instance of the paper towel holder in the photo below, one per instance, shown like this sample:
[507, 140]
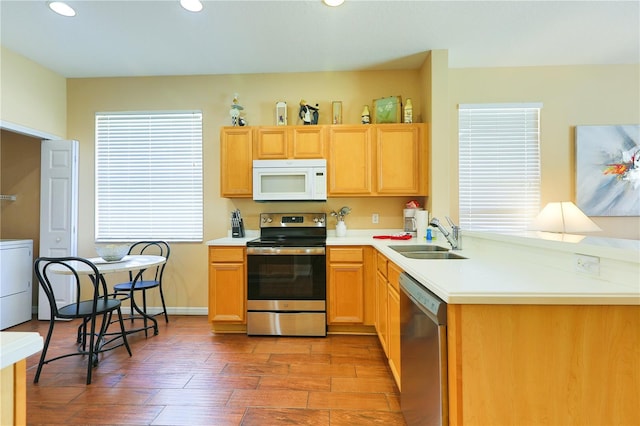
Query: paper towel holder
[422, 223]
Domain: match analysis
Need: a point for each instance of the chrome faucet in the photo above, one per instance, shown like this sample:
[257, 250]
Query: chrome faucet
[454, 237]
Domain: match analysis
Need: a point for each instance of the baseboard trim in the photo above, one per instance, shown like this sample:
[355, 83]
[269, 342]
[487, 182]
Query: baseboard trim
[179, 310]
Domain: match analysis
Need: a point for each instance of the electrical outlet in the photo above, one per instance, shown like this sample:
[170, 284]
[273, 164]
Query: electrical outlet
[587, 264]
[375, 218]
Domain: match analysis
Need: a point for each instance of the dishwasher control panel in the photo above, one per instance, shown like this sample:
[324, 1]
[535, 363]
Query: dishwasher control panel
[429, 301]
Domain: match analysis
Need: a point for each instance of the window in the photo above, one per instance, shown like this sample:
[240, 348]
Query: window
[149, 176]
[499, 166]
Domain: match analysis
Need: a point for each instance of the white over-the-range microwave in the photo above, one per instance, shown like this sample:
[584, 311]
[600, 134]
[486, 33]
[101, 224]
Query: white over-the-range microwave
[290, 180]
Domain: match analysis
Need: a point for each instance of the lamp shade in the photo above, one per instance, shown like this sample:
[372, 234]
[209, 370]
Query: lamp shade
[191, 5]
[61, 8]
[563, 217]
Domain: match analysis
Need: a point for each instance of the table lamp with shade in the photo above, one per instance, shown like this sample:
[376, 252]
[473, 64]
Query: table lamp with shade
[563, 218]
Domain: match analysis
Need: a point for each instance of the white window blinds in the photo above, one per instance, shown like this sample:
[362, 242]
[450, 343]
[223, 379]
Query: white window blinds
[149, 176]
[499, 166]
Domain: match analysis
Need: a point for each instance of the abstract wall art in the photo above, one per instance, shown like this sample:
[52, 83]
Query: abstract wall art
[608, 170]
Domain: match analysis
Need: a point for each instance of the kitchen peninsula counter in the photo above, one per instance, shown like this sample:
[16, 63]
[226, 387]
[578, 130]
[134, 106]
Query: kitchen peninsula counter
[540, 342]
[530, 268]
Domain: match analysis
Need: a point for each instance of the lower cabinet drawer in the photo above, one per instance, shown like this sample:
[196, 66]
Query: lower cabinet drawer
[346, 254]
[226, 254]
[286, 324]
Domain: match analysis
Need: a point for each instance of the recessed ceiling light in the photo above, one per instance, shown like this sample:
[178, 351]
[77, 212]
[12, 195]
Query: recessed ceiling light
[61, 8]
[333, 3]
[191, 5]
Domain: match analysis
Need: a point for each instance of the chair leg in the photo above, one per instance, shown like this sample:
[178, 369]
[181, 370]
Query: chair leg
[123, 332]
[44, 350]
[164, 307]
[144, 309]
[92, 361]
[131, 304]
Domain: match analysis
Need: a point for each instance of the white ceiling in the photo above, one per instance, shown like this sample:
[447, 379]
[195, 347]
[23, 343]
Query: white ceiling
[145, 38]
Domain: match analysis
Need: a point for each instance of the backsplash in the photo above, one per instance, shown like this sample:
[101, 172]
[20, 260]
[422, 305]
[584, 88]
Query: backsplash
[389, 210]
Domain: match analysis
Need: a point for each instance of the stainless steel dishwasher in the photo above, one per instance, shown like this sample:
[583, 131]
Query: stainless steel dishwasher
[423, 348]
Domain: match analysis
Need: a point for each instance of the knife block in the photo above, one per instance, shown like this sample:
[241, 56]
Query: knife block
[238, 231]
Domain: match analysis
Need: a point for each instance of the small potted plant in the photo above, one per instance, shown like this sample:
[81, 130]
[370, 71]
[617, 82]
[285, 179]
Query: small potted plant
[341, 227]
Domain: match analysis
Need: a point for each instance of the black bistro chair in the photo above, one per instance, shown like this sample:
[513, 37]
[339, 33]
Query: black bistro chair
[148, 279]
[94, 309]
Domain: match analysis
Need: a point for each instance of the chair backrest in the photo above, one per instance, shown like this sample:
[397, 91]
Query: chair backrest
[155, 248]
[81, 270]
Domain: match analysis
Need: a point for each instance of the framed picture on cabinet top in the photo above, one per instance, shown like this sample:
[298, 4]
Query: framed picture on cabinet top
[336, 109]
[387, 110]
[281, 113]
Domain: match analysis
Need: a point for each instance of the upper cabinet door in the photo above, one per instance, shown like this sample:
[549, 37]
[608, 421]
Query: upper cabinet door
[271, 143]
[284, 142]
[349, 163]
[401, 167]
[236, 162]
[309, 142]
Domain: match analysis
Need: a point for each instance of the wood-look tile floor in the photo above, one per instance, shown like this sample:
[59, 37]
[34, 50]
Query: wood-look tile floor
[188, 376]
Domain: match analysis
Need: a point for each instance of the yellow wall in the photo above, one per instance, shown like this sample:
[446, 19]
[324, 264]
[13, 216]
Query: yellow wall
[32, 96]
[440, 149]
[571, 96]
[213, 95]
[20, 176]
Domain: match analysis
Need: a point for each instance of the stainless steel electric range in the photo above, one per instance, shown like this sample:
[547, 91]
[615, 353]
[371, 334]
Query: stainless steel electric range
[286, 280]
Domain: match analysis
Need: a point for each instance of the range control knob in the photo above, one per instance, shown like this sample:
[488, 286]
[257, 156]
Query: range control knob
[267, 219]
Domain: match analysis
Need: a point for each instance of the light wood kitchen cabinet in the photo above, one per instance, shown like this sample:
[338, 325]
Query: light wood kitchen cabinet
[401, 165]
[388, 311]
[271, 143]
[382, 310]
[543, 364]
[350, 161]
[378, 160]
[13, 398]
[345, 286]
[393, 275]
[309, 142]
[15, 348]
[362, 160]
[236, 162]
[290, 142]
[227, 285]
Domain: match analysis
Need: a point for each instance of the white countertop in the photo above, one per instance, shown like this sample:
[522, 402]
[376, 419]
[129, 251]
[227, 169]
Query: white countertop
[16, 346]
[513, 269]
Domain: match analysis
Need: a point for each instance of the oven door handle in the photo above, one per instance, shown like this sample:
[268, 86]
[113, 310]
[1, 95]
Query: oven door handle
[279, 251]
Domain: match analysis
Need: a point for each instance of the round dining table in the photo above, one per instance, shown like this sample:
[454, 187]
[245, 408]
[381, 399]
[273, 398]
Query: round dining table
[129, 263]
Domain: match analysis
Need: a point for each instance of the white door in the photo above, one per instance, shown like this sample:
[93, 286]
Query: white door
[58, 214]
